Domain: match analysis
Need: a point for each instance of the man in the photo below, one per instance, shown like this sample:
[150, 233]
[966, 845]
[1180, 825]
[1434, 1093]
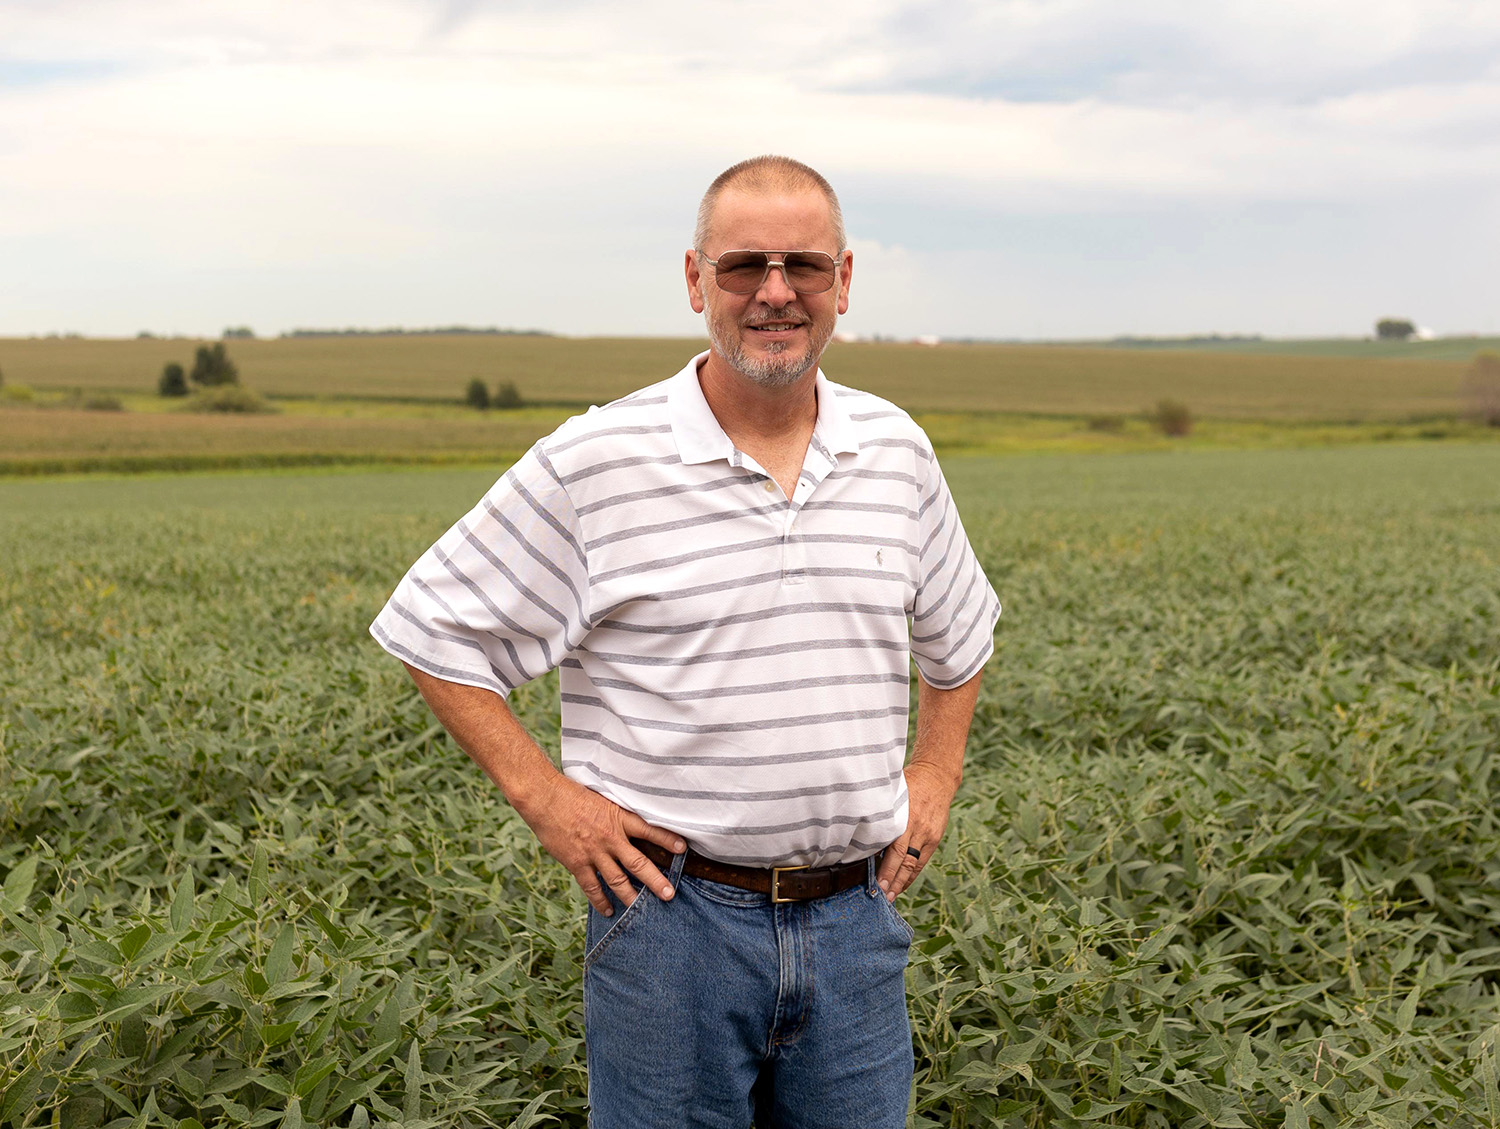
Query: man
[724, 566]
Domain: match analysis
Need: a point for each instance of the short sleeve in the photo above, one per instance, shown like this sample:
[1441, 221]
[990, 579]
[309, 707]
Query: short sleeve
[955, 608]
[502, 597]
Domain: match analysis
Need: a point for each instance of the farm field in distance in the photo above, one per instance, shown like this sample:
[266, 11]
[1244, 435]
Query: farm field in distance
[1225, 849]
[1027, 379]
[1436, 349]
[397, 398]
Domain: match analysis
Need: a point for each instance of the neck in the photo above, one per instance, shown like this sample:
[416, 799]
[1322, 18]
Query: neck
[750, 413]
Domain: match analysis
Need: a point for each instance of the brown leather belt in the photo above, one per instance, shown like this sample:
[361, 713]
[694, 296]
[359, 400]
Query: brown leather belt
[782, 883]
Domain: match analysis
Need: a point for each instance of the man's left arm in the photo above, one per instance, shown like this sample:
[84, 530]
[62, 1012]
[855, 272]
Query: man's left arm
[932, 778]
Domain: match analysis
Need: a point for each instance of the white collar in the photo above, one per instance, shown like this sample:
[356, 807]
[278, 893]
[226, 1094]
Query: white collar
[700, 439]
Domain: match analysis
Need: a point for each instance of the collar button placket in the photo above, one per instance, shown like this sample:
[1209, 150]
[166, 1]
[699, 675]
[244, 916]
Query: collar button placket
[793, 556]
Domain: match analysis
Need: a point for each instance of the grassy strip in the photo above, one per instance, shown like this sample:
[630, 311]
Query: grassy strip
[150, 464]
[979, 433]
[952, 433]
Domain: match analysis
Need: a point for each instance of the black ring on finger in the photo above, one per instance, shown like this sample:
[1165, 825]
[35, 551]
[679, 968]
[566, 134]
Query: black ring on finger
[916, 854]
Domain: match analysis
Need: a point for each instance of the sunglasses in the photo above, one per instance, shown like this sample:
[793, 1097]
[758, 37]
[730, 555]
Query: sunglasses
[744, 272]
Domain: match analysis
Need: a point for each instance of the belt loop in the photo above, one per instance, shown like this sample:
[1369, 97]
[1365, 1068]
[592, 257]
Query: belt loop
[872, 887]
[674, 875]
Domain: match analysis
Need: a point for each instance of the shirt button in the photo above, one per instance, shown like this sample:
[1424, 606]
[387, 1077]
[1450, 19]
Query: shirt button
[770, 486]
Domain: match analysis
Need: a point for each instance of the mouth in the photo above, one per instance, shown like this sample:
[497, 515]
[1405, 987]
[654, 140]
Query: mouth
[775, 329]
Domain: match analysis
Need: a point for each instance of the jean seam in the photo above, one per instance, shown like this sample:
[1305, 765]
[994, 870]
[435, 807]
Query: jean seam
[806, 965]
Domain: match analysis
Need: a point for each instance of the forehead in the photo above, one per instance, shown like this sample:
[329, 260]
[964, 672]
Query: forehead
[771, 221]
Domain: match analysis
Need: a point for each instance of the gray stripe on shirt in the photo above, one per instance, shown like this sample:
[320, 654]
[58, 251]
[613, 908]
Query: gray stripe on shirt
[747, 725]
[661, 492]
[749, 652]
[629, 429]
[837, 753]
[760, 688]
[740, 797]
[752, 617]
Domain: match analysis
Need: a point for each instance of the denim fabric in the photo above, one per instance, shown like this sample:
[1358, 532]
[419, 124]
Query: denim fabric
[719, 1009]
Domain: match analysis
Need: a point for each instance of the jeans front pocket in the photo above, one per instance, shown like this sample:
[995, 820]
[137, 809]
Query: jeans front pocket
[601, 932]
[724, 895]
[897, 920]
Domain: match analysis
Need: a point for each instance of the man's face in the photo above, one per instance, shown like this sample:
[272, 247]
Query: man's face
[774, 335]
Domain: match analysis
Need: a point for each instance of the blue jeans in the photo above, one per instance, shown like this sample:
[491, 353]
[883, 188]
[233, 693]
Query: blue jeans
[719, 1009]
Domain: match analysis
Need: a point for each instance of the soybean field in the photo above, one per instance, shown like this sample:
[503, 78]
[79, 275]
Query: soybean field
[1226, 852]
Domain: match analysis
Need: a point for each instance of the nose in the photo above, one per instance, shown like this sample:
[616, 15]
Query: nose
[775, 290]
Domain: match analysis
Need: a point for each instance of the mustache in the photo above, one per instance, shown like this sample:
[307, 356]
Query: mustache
[785, 313]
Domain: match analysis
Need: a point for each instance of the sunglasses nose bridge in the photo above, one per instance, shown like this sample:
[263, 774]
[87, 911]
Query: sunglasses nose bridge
[786, 278]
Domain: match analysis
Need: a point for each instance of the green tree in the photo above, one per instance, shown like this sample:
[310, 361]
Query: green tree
[173, 381]
[1172, 418]
[1394, 329]
[506, 395]
[477, 395]
[212, 366]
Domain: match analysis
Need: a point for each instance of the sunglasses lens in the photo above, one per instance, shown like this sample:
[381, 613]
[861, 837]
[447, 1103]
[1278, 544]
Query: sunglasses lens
[807, 272]
[741, 272]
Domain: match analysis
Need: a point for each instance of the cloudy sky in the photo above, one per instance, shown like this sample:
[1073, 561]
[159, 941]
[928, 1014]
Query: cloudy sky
[1026, 169]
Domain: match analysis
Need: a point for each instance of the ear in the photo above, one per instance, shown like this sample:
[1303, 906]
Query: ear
[694, 281]
[846, 274]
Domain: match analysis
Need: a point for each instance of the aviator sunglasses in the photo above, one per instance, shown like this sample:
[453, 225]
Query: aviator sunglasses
[744, 272]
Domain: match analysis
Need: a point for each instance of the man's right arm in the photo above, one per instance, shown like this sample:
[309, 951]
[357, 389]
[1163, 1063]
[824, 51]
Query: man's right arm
[581, 829]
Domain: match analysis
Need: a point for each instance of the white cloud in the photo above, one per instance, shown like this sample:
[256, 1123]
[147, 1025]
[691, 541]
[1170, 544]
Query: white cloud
[465, 157]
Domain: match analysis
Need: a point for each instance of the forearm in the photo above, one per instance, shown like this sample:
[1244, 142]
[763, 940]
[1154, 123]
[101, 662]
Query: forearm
[487, 730]
[932, 778]
[585, 832]
[943, 718]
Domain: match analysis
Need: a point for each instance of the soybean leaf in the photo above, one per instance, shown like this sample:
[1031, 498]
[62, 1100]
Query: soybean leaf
[181, 913]
[279, 960]
[18, 884]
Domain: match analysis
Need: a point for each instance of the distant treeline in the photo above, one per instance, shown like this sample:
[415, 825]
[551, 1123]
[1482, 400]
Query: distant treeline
[1200, 339]
[1125, 340]
[398, 331]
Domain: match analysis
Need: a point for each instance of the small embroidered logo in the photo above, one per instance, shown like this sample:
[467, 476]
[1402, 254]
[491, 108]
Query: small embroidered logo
[878, 559]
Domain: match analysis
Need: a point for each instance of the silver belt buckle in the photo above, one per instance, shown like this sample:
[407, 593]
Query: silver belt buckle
[776, 898]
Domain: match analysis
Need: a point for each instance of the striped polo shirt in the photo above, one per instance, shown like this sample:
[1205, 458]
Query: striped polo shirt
[734, 662]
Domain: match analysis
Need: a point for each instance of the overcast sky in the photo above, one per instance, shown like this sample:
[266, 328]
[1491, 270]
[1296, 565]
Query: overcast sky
[1031, 169]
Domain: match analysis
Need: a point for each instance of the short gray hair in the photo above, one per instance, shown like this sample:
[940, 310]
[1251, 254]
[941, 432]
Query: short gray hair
[767, 174]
